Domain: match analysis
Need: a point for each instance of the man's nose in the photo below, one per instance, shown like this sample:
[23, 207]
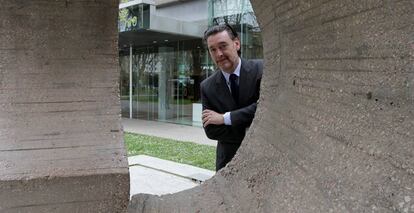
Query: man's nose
[219, 53]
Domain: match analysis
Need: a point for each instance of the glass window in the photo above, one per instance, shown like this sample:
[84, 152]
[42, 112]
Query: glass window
[134, 17]
[165, 80]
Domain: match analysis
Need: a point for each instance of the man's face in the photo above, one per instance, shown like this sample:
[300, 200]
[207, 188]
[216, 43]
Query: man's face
[223, 51]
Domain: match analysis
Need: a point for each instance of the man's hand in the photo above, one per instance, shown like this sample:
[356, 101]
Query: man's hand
[211, 117]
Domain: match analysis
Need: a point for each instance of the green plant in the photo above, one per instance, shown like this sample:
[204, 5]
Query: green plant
[202, 156]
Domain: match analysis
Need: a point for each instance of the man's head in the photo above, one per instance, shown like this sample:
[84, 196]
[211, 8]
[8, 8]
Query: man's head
[223, 45]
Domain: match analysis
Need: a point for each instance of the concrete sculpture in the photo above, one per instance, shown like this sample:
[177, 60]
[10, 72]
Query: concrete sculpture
[61, 144]
[335, 124]
[333, 131]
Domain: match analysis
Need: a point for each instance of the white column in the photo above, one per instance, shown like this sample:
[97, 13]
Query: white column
[164, 110]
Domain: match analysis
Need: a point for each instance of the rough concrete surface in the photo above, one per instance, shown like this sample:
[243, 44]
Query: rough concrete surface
[334, 131]
[61, 145]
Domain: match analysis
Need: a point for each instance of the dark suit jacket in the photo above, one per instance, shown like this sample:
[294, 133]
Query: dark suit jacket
[216, 96]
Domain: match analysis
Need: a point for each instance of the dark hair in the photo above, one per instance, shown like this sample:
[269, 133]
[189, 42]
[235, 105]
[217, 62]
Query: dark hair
[220, 28]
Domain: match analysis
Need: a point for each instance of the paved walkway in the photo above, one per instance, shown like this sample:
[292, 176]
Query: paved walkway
[156, 176]
[167, 130]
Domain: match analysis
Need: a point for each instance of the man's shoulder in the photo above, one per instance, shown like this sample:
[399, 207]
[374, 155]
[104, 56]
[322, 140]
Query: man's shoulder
[255, 65]
[211, 79]
[254, 61]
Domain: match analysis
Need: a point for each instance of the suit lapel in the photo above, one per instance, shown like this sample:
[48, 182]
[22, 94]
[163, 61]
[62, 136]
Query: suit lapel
[223, 92]
[245, 82]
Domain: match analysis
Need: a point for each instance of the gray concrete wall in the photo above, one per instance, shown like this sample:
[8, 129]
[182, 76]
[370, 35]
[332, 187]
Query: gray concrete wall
[61, 145]
[334, 131]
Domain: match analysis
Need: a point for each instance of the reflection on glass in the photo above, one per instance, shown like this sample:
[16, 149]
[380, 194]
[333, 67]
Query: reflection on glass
[165, 81]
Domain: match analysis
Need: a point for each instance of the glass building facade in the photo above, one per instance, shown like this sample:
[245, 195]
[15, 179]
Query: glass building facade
[165, 80]
[161, 71]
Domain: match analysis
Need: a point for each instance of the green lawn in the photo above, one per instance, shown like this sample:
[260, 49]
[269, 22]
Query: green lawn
[182, 152]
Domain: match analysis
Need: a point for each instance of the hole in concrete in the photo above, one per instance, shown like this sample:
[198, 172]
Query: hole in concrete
[315, 169]
[162, 68]
[369, 95]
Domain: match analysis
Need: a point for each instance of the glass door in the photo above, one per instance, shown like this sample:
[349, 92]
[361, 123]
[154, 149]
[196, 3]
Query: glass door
[145, 84]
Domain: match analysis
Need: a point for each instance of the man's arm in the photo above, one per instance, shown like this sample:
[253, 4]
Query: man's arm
[215, 129]
[243, 116]
[213, 122]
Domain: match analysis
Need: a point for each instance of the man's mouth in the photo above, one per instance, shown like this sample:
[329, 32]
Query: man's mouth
[221, 61]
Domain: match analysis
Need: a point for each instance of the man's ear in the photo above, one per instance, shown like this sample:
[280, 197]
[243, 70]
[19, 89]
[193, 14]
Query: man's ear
[237, 43]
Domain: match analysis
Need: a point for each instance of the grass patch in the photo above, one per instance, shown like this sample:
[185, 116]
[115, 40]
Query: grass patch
[202, 156]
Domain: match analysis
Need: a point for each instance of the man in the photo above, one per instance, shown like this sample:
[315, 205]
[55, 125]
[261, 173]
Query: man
[230, 95]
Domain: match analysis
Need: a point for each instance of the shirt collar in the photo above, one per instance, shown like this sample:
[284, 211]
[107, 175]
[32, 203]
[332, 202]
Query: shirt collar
[236, 71]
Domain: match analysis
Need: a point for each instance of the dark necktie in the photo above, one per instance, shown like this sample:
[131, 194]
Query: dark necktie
[234, 88]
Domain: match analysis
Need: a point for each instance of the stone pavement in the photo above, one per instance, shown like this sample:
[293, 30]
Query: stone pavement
[155, 176]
